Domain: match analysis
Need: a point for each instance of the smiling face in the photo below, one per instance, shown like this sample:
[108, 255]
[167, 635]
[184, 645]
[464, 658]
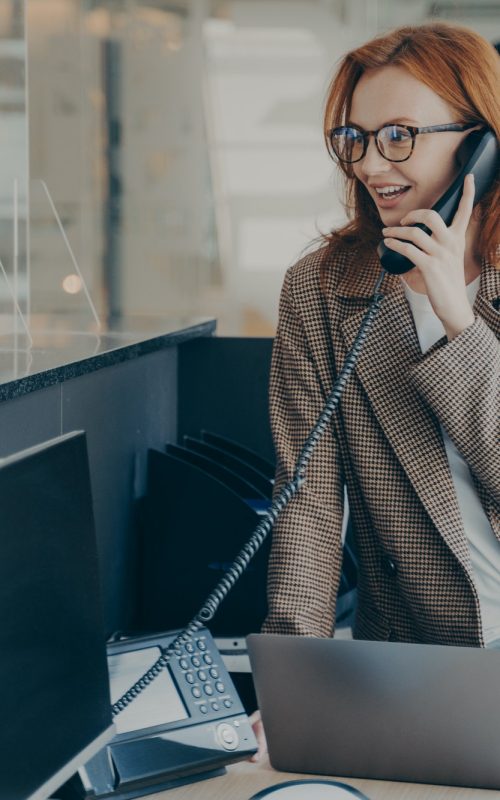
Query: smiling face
[391, 94]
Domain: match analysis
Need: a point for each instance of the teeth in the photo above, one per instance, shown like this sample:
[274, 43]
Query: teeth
[387, 190]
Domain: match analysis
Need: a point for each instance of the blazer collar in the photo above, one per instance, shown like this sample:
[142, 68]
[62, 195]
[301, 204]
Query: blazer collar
[487, 303]
[489, 284]
[360, 275]
[362, 271]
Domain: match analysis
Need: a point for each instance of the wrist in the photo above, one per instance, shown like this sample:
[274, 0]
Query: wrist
[454, 328]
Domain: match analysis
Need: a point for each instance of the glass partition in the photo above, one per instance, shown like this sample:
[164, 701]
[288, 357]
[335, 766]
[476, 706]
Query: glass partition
[14, 277]
[181, 145]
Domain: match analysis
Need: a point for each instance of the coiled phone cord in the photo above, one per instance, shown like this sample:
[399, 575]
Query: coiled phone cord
[285, 495]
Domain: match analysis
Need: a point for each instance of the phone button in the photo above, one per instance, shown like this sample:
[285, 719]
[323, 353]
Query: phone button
[227, 736]
[196, 691]
[214, 672]
[195, 661]
[190, 677]
[204, 709]
[228, 703]
[189, 648]
[202, 676]
[208, 689]
[207, 658]
[214, 705]
[201, 644]
[183, 663]
[220, 687]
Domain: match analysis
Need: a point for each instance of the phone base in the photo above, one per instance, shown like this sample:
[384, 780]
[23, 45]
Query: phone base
[74, 789]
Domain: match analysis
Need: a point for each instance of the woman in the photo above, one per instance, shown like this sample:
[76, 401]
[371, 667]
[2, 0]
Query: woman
[415, 439]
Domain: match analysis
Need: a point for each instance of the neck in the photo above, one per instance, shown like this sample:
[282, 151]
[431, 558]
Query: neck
[472, 262]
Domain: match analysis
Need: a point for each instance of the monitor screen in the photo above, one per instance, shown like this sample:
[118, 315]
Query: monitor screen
[55, 693]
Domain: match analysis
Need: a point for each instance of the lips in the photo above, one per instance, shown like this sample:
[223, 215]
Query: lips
[391, 199]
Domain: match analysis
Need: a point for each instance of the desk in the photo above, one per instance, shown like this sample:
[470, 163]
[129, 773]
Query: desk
[244, 779]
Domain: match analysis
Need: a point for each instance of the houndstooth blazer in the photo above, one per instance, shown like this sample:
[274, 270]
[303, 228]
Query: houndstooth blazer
[385, 445]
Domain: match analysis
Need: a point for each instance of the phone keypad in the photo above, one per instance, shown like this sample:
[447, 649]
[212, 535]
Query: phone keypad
[203, 677]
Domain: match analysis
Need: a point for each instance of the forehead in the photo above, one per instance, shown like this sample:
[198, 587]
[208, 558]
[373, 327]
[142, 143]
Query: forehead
[390, 93]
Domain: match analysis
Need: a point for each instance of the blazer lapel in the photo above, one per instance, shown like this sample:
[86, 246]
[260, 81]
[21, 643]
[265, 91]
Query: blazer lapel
[390, 351]
[487, 303]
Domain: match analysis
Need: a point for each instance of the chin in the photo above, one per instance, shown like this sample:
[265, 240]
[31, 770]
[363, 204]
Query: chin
[391, 216]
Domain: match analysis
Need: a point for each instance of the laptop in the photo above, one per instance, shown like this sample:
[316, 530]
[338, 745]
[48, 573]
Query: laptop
[380, 710]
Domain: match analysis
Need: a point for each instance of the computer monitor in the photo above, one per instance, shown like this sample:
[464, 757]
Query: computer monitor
[55, 701]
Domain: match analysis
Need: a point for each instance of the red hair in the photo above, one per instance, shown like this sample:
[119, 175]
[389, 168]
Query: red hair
[461, 67]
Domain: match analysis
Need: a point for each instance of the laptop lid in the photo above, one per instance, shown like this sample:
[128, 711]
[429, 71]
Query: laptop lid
[382, 710]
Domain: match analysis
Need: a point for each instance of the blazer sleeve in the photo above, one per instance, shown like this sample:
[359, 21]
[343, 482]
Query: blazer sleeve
[306, 552]
[460, 382]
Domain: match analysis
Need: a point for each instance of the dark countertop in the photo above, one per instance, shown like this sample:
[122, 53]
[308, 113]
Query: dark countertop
[63, 353]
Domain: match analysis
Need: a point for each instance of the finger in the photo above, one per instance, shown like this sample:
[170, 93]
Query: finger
[466, 205]
[416, 236]
[429, 218]
[258, 730]
[416, 256]
[259, 734]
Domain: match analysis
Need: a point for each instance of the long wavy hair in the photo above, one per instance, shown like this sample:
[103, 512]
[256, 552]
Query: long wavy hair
[461, 67]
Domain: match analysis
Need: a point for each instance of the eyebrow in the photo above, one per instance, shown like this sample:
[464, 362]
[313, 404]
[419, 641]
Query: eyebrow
[389, 122]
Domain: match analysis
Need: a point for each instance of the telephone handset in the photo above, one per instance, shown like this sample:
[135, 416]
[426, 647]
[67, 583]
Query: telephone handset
[478, 154]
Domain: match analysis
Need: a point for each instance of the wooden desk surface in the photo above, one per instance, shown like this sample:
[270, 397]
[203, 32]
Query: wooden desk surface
[245, 779]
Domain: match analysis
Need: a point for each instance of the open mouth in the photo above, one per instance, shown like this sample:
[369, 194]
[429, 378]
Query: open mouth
[391, 192]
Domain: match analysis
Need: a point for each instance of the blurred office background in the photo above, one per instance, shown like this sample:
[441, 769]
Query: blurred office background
[180, 144]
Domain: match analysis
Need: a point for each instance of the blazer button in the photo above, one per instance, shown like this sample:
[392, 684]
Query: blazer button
[389, 566]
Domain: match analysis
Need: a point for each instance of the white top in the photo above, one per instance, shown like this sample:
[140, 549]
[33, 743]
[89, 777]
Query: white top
[483, 544]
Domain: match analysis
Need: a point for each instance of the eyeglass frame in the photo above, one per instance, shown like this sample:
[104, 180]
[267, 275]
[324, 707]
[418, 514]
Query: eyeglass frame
[451, 126]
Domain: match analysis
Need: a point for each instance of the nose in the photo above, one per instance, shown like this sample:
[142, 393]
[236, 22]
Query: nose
[373, 163]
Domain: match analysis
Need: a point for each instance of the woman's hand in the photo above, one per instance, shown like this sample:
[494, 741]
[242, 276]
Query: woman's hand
[258, 730]
[440, 258]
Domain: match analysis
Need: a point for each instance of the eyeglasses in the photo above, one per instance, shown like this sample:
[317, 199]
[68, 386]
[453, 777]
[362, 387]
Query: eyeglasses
[394, 142]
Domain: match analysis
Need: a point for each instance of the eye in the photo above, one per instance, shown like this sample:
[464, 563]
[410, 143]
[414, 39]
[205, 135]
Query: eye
[396, 134]
[352, 134]
[347, 143]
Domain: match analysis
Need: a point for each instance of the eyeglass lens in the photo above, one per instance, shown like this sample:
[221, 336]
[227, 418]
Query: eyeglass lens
[394, 142]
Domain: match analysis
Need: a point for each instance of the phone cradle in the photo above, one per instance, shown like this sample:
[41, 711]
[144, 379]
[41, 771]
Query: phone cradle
[186, 726]
[134, 771]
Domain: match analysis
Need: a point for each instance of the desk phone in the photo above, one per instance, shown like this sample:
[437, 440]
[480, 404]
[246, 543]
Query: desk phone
[187, 725]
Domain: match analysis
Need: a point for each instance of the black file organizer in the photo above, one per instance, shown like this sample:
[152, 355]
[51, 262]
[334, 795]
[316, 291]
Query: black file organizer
[194, 520]
[197, 514]
[238, 465]
[262, 465]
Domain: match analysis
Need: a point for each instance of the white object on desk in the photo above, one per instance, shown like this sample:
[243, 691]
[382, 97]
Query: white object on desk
[309, 790]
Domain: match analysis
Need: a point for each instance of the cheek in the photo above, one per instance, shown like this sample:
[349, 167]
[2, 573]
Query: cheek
[432, 185]
[433, 173]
